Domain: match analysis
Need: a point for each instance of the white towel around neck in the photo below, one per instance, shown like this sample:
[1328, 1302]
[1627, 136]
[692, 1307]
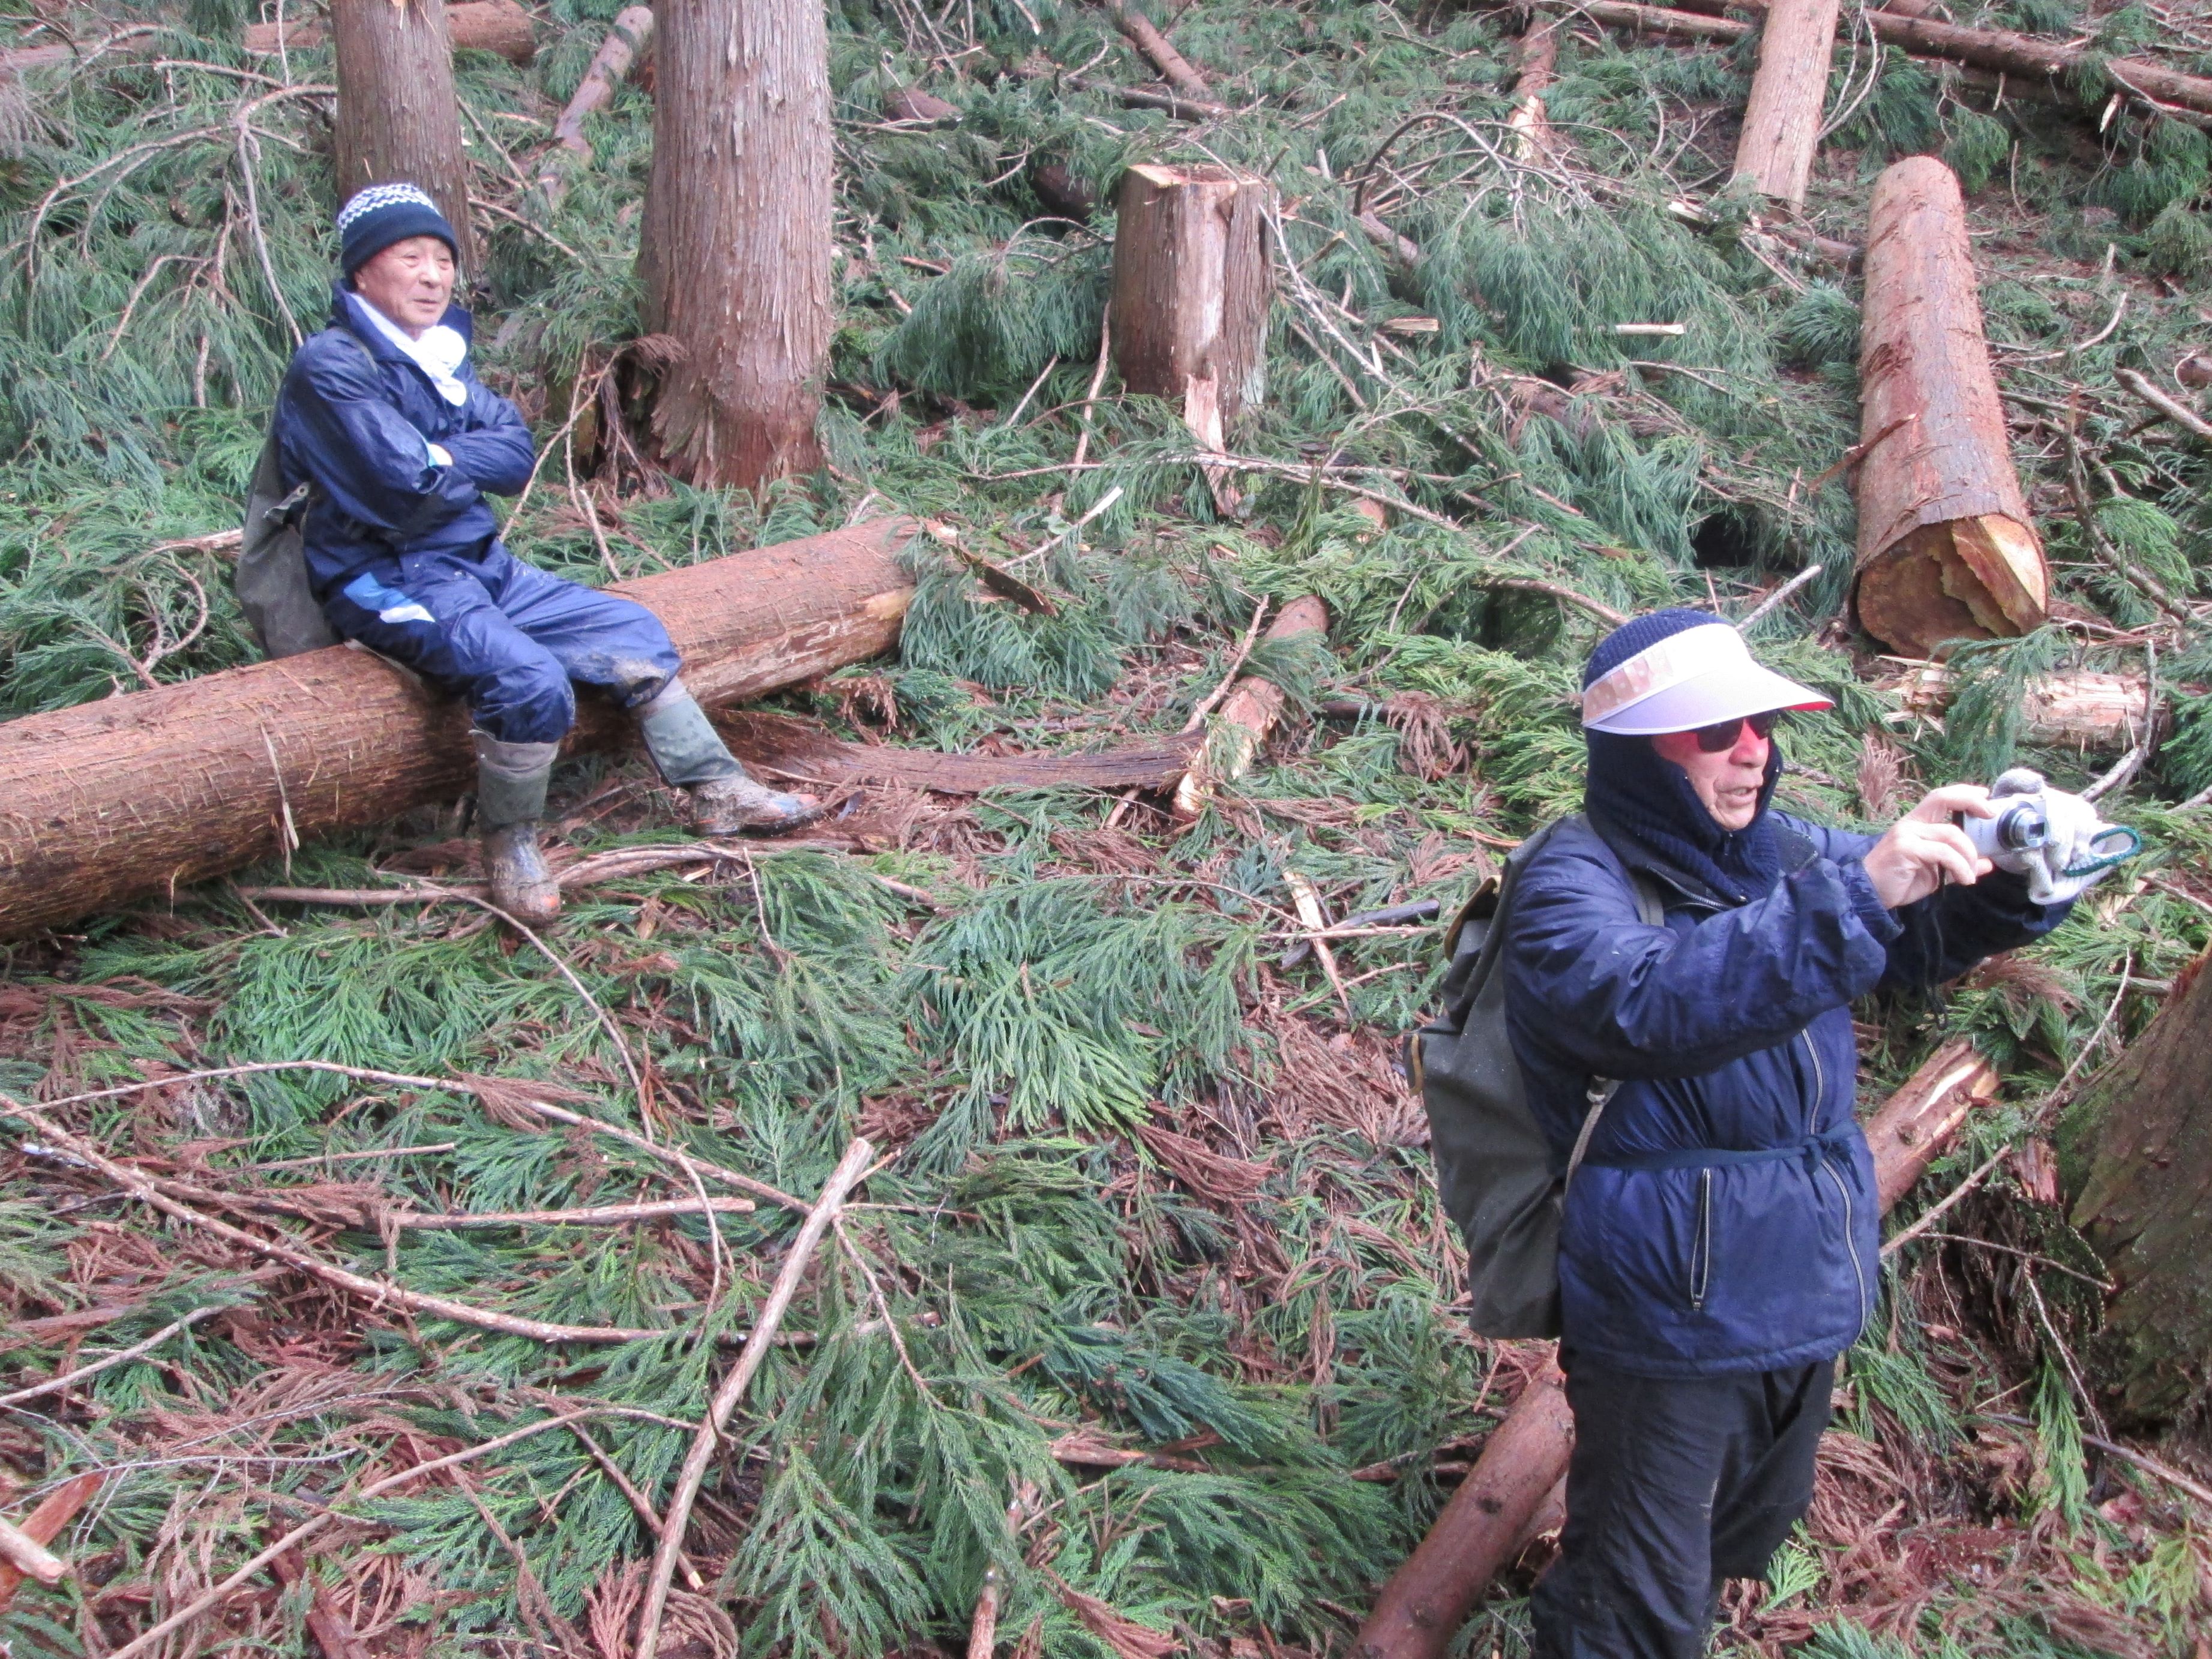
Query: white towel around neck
[438, 354]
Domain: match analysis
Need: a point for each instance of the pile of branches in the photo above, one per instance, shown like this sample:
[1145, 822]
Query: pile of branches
[1140, 1336]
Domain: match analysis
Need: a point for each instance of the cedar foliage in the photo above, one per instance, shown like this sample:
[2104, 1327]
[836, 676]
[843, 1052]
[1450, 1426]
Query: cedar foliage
[1152, 1183]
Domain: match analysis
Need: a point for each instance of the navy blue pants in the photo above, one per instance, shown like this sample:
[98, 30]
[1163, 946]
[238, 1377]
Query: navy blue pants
[1675, 1486]
[505, 637]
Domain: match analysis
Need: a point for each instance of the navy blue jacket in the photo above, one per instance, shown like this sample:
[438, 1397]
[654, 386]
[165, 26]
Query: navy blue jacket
[1725, 1219]
[352, 419]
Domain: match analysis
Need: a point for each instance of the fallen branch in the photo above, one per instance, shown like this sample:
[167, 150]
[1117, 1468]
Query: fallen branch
[1164, 57]
[47, 1523]
[630, 34]
[29, 1557]
[121, 1355]
[2171, 408]
[1245, 717]
[677, 1519]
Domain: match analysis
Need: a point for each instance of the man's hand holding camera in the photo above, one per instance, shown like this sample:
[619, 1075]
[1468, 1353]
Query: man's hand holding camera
[1962, 831]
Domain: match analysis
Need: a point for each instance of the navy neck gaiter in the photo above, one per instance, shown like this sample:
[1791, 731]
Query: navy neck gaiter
[1635, 798]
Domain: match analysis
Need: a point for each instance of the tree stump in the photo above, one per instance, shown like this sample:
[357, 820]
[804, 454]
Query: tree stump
[1945, 548]
[398, 121]
[1781, 120]
[1191, 290]
[735, 249]
[2137, 1153]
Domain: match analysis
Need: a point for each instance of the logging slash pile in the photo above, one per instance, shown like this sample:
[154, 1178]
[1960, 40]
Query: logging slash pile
[997, 1219]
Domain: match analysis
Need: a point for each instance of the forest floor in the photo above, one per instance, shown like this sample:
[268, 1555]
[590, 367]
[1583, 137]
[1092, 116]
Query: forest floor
[1150, 1308]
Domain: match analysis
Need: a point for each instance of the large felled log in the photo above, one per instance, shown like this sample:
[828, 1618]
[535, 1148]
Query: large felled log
[1947, 550]
[1247, 716]
[1516, 1482]
[497, 26]
[2137, 1155]
[1782, 119]
[630, 34]
[2076, 709]
[140, 794]
[1191, 289]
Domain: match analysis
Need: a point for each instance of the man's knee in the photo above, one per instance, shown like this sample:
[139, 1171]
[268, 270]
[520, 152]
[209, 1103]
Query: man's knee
[528, 699]
[641, 659]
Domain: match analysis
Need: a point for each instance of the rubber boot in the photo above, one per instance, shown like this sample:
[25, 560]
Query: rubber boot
[511, 779]
[691, 755]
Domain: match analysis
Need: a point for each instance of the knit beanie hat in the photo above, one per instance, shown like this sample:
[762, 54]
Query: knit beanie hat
[382, 215]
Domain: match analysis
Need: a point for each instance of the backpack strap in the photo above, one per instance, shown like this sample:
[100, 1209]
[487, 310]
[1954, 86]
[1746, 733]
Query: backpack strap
[1651, 909]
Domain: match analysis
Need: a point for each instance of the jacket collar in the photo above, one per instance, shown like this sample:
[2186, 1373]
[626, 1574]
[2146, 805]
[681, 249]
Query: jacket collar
[1796, 849]
[349, 311]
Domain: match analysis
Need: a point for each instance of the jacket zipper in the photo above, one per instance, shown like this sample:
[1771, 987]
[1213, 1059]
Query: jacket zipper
[1701, 1247]
[1850, 1232]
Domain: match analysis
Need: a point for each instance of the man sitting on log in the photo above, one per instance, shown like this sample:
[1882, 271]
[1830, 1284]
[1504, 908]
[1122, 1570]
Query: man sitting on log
[1720, 1244]
[383, 417]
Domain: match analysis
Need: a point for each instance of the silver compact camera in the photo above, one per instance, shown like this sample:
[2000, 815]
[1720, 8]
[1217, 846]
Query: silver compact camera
[2057, 840]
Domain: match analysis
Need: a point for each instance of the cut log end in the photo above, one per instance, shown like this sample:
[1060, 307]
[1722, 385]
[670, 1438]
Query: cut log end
[1960, 578]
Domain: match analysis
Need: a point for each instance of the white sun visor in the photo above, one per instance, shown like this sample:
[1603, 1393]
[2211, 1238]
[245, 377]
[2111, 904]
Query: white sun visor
[1699, 677]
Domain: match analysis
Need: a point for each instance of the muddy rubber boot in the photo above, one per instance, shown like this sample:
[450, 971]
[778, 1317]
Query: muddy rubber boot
[691, 754]
[511, 779]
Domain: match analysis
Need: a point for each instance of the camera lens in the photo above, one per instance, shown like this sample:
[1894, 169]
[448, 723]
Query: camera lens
[2019, 828]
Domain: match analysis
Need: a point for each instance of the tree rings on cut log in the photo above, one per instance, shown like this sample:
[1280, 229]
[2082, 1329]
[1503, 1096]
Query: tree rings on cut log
[1947, 550]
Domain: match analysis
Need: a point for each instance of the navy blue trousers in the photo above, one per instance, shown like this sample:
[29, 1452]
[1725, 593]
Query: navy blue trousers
[1675, 1486]
[505, 635]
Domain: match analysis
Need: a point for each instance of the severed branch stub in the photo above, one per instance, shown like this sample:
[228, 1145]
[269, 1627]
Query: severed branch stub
[1516, 1487]
[1945, 548]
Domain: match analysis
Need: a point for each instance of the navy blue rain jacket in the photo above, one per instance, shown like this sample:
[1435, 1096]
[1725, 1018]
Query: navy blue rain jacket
[1725, 1218]
[352, 419]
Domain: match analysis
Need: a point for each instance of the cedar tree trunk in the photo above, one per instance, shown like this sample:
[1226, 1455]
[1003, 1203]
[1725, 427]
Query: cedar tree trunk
[1947, 550]
[140, 794]
[398, 118]
[1782, 121]
[735, 253]
[2139, 1149]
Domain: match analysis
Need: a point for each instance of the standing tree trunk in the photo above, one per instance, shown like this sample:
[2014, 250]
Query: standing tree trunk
[1947, 550]
[735, 254]
[1782, 122]
[2138, 1153]
[398, 118]
[1518, 1482]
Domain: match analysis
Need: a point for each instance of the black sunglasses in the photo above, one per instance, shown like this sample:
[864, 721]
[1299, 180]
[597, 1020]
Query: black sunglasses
[1713, 740]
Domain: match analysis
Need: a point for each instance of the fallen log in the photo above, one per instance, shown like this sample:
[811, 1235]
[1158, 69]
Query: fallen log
[502, 27]
[1782, 119]
[1516, 1487]
[630, 34]
[1539, 62]
[804, 752]
[1247, 716]
[142, 794]
[2078, 709]
[46, 1524]
[1147, 38]
[1945, 548]
[1192, 284]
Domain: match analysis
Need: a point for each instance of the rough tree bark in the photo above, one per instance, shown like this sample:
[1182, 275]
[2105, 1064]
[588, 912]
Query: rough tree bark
[630, 34]
[140, 794]
[1538, 61]
[736, 248]
[2137, 1155]
[1191, 290]
[398, 117]
[497, 26]
[1947, 550]
[1516, 1482]
[1782, 121]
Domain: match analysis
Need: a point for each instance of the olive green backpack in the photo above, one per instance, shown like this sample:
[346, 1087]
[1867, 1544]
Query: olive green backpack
[1494, 1168]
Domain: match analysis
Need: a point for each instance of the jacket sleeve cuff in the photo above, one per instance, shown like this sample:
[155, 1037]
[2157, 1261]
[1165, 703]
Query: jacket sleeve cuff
[1873, 915]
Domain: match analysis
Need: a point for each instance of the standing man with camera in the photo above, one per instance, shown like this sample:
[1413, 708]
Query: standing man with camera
[386, 435]
[1720, 1242]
